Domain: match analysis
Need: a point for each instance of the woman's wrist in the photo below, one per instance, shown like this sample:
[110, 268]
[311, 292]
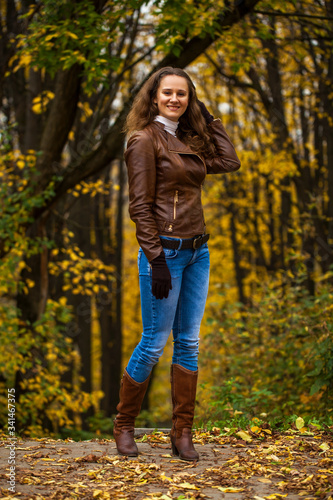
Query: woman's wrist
[205, 113]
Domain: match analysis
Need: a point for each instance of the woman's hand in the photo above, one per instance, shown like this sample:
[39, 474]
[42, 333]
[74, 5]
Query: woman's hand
[205, 113]
[161, 277]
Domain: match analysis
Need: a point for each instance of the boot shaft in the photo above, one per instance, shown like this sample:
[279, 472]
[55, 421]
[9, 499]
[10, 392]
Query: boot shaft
[183, 392]
[131, 395]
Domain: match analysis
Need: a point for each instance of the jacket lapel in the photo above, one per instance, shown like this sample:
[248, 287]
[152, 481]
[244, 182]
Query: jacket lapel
[174, 144]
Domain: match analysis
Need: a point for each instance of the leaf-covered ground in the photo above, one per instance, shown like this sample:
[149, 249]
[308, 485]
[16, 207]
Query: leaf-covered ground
[250, 465]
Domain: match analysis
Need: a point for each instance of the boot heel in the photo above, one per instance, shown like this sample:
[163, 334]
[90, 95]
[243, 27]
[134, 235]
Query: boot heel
[174, 450]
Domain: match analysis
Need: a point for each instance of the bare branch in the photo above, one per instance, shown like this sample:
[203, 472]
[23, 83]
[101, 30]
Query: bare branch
[291, 14]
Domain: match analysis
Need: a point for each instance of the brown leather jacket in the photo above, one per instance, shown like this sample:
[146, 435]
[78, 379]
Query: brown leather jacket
[165, 178]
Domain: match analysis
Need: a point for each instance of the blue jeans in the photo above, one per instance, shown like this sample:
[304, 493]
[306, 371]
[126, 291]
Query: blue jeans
[181, 312]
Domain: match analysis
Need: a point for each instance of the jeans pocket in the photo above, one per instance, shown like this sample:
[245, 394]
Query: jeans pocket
[139, 257]
[143, 264]
[170, 253]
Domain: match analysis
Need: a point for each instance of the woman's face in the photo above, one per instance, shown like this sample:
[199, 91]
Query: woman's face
[172, 97]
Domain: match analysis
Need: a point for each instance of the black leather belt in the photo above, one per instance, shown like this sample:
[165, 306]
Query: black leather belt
[178, 244]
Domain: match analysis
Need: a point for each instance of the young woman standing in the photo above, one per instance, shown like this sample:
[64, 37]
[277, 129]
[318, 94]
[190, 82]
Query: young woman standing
[174, 142]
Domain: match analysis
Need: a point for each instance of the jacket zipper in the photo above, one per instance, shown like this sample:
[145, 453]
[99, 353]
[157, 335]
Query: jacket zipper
[175, 201]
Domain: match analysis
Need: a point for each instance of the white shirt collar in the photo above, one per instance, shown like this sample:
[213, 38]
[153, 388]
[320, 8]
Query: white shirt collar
[169, 125]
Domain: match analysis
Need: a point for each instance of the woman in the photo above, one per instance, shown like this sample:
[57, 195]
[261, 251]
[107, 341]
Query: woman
[175, 142]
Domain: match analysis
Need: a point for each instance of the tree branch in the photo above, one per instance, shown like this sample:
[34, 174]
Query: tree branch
[197, 45]
[291, 14]
[59, 121]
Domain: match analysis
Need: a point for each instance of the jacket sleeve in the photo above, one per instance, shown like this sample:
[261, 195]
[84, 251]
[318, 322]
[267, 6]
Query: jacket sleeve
[141, 165]
[225, 159]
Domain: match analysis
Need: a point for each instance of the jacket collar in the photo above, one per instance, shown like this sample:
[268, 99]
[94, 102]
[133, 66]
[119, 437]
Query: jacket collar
[174, 144]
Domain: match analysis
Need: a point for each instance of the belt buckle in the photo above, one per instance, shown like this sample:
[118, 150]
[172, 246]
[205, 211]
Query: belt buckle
[198, 239]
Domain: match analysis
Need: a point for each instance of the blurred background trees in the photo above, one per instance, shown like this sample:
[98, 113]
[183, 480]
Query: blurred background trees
[70, 307]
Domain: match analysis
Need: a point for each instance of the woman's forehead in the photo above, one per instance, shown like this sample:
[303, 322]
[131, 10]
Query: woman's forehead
[174, 82]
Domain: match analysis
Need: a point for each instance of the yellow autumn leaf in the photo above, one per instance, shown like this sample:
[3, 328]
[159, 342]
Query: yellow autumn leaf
[25, 59]
[324, 447]
[101, 494]
[72, 35]
[49, 95]
[40, 102]
[11, 61]
[275, 496]
[244, 435]
[228, 489]
[63, 301]
[157, 496]
[299, 423]
[165, 478]
[186, 486]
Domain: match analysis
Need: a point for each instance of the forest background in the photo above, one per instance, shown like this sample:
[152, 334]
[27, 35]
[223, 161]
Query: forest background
[70, 304]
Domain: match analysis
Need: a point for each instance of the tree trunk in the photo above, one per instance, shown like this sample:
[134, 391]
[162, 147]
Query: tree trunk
[80, 223]
[237, 258]
[109, 249]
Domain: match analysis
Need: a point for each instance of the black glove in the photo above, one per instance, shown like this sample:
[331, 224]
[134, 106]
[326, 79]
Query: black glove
[161, 283]
[205, 113]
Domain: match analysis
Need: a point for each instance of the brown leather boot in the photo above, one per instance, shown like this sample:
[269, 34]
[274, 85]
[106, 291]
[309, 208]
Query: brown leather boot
[183, 390]
[131, 396]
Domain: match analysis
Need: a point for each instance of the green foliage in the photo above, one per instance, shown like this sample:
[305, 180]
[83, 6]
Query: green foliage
[34, 357]
[275, 357]
[17, 185]
[228, 399]
[19, 197]
[99, 426]
[62, 34]
[181, 21]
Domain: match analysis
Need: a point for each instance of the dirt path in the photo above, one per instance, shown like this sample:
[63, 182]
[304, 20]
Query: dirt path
[281, 466]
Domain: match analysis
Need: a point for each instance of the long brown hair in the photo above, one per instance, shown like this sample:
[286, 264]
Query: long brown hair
[192, 128]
